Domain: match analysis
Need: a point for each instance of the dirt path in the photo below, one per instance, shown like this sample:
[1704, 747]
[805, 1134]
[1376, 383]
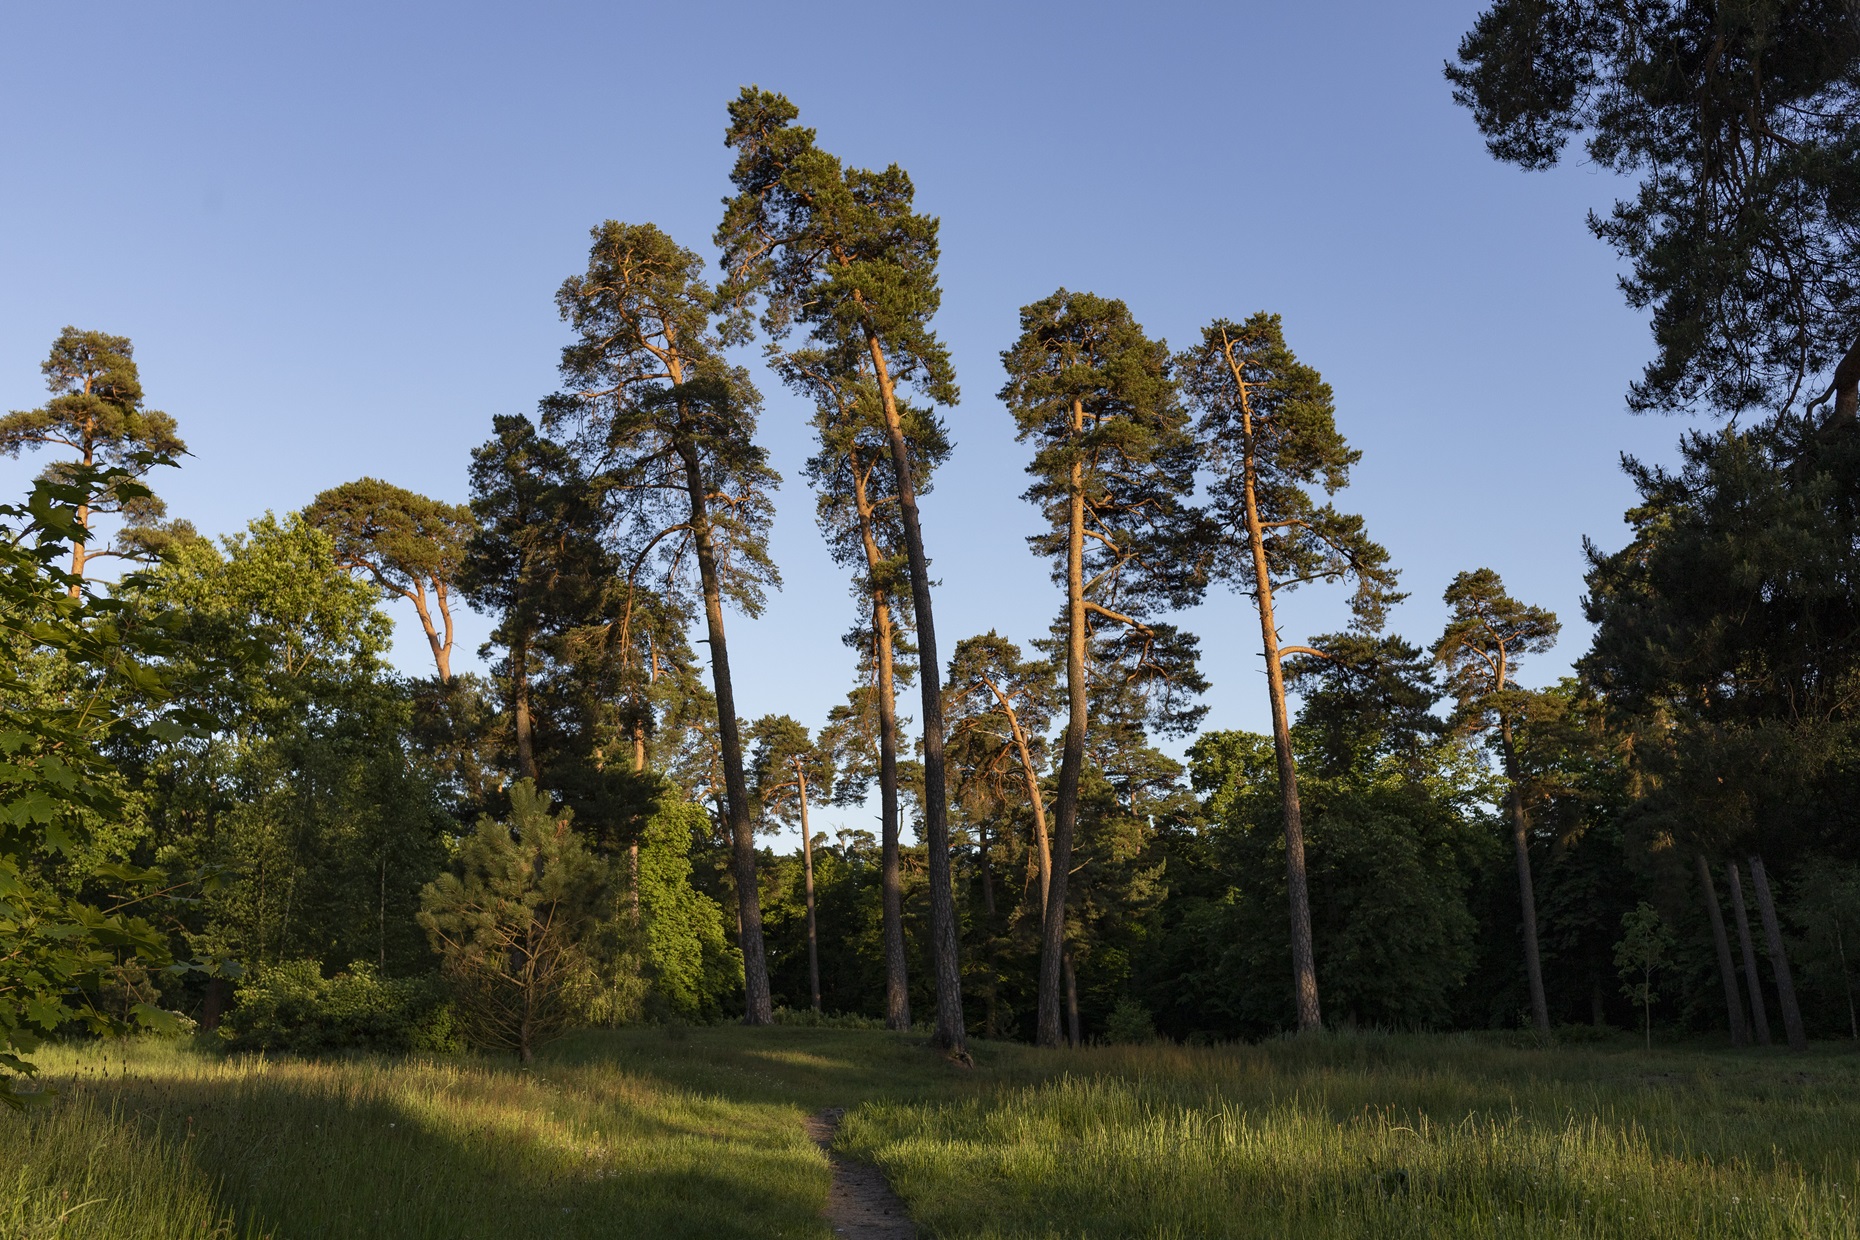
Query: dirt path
[860, 1205]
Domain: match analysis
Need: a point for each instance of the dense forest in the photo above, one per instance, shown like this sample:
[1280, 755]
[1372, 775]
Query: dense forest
[221, 808]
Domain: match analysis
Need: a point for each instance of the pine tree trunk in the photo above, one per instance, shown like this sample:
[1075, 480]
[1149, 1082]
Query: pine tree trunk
[1072, 760]
[83, 519]
[758, 1006]
[891, 881]
[520, 700]
[1304, 957]
[1527, 899]
[1043, 850]
[1727, 971]
[1779, 957]
[1759, 1015]
[950, 1034]
[807, 869]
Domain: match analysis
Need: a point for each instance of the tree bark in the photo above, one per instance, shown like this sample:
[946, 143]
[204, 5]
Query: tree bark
[891, 881]
[1053, 958]
[807, 870]
[1043, 851]
[1304, 958]
[950, 1035]
[520, 700]
[757, 1004]
[1727, 971]
[1759, 1015]
[1779, 957]
[1527, 899]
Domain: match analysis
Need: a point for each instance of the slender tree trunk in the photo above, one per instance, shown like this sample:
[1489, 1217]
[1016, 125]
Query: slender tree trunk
[1759, 1015]
[632, 849]
[1072, 1003]
[950, 1032]
[520, 700]
[442, 648]
[1727, 971]
[1043, 851]
[891, 879]
[1779, 957]
[758, 1006]
[988, 874]
[807, 869]
[1072, 759]
[1304, 958]
[381, 914]
[443, 655]
[83, 519]
[1527, 899]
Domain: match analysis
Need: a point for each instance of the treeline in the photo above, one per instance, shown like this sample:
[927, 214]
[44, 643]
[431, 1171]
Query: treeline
[572, 836]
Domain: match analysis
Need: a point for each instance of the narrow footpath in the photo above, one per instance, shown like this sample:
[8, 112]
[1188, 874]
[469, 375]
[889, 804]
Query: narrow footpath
[860, 1205]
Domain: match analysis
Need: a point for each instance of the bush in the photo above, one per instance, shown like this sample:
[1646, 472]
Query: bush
[1129, 1024]
[292, 1007]
[807, 1018]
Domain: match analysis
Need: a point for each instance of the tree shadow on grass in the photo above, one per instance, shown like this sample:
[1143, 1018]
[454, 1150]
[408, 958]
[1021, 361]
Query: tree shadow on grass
[308, 1154]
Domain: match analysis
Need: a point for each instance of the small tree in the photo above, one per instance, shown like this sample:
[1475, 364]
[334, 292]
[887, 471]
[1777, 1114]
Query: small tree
[1643, 950]
[1487, 634]
[96, 412]
[510, 923]
[406, 543]
[788, 767]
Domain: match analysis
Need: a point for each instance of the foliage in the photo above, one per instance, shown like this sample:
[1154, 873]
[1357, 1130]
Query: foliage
[57, 948]
[1645, 946]
[510, 923]
[291, 1006]
[1740, 122]
[694, 968]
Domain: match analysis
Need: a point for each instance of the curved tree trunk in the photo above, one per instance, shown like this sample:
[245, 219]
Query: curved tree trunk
[758, 1006]
[897, 976]
[1297, 890]
[1527, 899]
[1759, 1014]
[1727, 972]
[1779, 957]
[1053, 957]
[951, 1033]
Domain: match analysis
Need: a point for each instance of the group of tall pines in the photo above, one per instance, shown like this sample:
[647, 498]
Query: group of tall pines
[1421, 840]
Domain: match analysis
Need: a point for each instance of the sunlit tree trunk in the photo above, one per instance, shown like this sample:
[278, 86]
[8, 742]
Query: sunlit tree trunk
[1072, 758]
[945, 955]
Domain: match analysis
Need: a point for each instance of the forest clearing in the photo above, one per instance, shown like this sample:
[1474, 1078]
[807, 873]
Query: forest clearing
[534, 703]
[698, 1132]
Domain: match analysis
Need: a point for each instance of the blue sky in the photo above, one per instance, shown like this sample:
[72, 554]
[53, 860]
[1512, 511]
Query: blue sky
[334, 231]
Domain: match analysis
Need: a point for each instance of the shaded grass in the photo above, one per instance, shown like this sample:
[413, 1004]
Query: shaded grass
[1386, 1136]
[697, 1132]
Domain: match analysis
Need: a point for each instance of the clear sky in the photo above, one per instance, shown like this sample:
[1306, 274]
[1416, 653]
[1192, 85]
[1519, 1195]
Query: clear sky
[334, 230]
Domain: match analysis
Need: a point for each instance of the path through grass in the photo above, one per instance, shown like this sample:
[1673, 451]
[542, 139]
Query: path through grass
[699, 1133]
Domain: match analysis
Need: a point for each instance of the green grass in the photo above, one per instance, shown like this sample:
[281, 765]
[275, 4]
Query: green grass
[697, 1132]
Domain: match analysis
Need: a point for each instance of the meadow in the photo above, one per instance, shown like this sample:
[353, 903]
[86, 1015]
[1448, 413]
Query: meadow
[698, 1132]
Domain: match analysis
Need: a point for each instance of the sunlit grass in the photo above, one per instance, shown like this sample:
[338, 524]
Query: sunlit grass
[698, 1132]
[1386, 1137]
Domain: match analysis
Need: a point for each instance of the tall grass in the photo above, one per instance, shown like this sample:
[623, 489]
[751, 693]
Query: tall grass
[1380, 1136]
[697, 1132]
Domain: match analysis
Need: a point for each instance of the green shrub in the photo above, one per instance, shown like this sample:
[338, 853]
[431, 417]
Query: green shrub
[1129, 1024]
[292, 1007]
[807, 1018]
